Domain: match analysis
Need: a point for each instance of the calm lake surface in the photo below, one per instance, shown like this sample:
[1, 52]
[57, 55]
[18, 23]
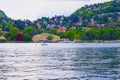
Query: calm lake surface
[60, 61]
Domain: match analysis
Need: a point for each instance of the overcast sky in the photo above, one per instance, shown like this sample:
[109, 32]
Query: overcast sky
[33, 9]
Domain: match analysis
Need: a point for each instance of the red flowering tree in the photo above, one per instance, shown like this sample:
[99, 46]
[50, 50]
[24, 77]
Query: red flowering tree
[19, 37]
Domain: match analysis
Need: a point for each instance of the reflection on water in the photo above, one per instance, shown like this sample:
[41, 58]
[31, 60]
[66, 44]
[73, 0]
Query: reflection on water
[56, 61]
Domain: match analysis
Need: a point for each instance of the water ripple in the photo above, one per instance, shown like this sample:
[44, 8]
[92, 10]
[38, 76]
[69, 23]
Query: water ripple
[59, 62]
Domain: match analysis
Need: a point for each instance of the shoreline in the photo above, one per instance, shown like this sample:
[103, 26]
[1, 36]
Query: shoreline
[108, 41]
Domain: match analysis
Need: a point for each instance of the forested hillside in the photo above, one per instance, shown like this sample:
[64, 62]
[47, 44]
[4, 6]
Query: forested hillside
[91, 22]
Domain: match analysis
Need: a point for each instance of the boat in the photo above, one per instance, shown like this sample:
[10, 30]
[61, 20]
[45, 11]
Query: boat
[44, 44]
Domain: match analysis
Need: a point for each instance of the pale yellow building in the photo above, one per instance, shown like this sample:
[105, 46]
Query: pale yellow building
[55, 38]
[2, 38]
[43, 37]
[76, 40]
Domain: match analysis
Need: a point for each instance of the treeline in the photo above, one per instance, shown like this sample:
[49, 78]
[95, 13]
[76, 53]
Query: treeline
[110, 33]
[15, 34]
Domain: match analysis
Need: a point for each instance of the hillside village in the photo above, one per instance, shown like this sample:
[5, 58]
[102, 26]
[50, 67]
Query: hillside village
[91, 22]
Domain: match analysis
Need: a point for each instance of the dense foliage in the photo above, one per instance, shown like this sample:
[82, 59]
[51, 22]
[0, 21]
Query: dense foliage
[111, 33]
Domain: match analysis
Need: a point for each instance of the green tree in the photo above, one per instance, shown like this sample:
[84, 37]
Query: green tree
[0, 34]
[79, 29]
[7, 36]
[27, 37]
[61, 34]
[50, 37]
[13, 32]
[29, 29]
[53, 30]
[40, 31]
[0, 26]
[70, 34]
[78, 36]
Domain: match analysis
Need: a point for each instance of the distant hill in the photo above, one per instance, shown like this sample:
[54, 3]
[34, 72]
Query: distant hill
[5, 21]
[2, 14]
[103, 14]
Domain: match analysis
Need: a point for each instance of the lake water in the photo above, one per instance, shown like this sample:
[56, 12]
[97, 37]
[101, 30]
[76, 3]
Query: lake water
[60, 61]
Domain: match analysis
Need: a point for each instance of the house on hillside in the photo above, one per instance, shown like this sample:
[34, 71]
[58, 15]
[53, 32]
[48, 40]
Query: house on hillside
[38, 25]
[50, 26]
[118, 18]
[2, 38]
[43, 38]
[62, 29]
[92, 22]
